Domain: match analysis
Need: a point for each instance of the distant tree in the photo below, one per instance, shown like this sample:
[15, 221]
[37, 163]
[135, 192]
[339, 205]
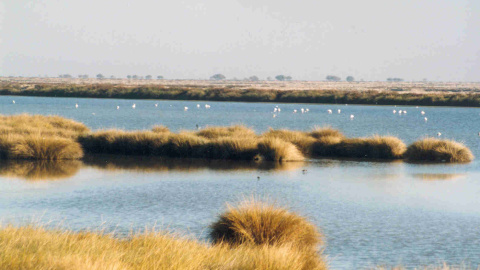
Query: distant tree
[148, 77]
[394, 80]
[333, 78]
[159, 77]
[280, 77]
[218, 77]
[65, 76]
[129, 77]
[350, 79]
[83, 76]
[112, 77]
[253, 78]
[288, 78]
[100, 76]
[135, 77]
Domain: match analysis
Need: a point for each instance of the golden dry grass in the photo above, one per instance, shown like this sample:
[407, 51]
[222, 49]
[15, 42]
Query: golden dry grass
[160, 129]
[39, 147]
[233, 131]
[25, 124]
[436, 150]
[36, 248]
[259, 223]
[275, 149]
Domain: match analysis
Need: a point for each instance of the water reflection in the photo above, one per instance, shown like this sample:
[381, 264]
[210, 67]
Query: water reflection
[153, 164]
[438, 176]
[39, 170]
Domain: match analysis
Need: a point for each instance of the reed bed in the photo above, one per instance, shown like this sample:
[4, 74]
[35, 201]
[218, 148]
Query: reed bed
[56, 138]
[436, 150]
[381, 93]
[37, 248]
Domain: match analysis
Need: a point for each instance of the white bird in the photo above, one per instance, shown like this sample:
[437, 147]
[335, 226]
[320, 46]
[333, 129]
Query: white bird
[185, 108]
[133, 106]
[118, 107]
[156, 104]
[307, 110]
[416, 107]
[294, 111]
[329, 111]
[279, 110]
[302, 110]
[394, 111]
[426, 119]
[93, 113]
[275, 109]
[352, 116]
[207, 106]
[422, 112]
[400, 112]
[339, 111]
[274, 115]
[13, 101]
[76, 105]
[405, 112]
[198, 105]
[439, 134]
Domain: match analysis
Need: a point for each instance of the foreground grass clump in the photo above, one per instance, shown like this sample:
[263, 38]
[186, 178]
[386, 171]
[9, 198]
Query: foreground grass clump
[287, 242]
[258, 223]
[436, 150]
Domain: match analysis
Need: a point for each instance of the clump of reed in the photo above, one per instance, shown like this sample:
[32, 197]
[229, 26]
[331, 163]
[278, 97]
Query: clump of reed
[257, 223]
[275, 149]
[290, 243]
[160, 129]
[233, 131]
[302, 140]
[376, 147]
[38, 147]
[436, 150]
[25, 124]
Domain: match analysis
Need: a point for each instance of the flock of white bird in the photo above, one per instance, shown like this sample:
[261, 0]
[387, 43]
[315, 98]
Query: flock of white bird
[277, 110]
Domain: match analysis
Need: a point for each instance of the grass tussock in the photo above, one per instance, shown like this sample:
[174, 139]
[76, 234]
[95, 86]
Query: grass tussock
[257, 223]
[160, 129]
[40, 249]
[38, 147]
[322, 132]
[264, 238]
[436, 150]
[25, 124]
[275, 149]
[233, 131]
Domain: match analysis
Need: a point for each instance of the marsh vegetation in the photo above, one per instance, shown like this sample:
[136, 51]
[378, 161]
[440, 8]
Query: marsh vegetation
[56, 138]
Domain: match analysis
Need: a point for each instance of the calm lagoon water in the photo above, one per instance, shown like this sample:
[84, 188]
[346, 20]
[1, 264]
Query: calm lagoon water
[370, 212]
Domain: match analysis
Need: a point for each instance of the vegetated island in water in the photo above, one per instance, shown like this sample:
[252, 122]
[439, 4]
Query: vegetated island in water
[38, 137]
[369, 93]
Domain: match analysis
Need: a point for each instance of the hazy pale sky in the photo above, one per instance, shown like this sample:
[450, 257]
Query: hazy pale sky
[306, 39]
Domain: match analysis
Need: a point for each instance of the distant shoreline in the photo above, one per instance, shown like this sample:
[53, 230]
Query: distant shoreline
[361, 93]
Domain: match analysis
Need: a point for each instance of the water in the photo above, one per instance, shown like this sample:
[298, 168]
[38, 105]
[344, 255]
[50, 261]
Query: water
[371, 213]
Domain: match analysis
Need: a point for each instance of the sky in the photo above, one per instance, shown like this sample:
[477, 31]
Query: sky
[371, 40]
